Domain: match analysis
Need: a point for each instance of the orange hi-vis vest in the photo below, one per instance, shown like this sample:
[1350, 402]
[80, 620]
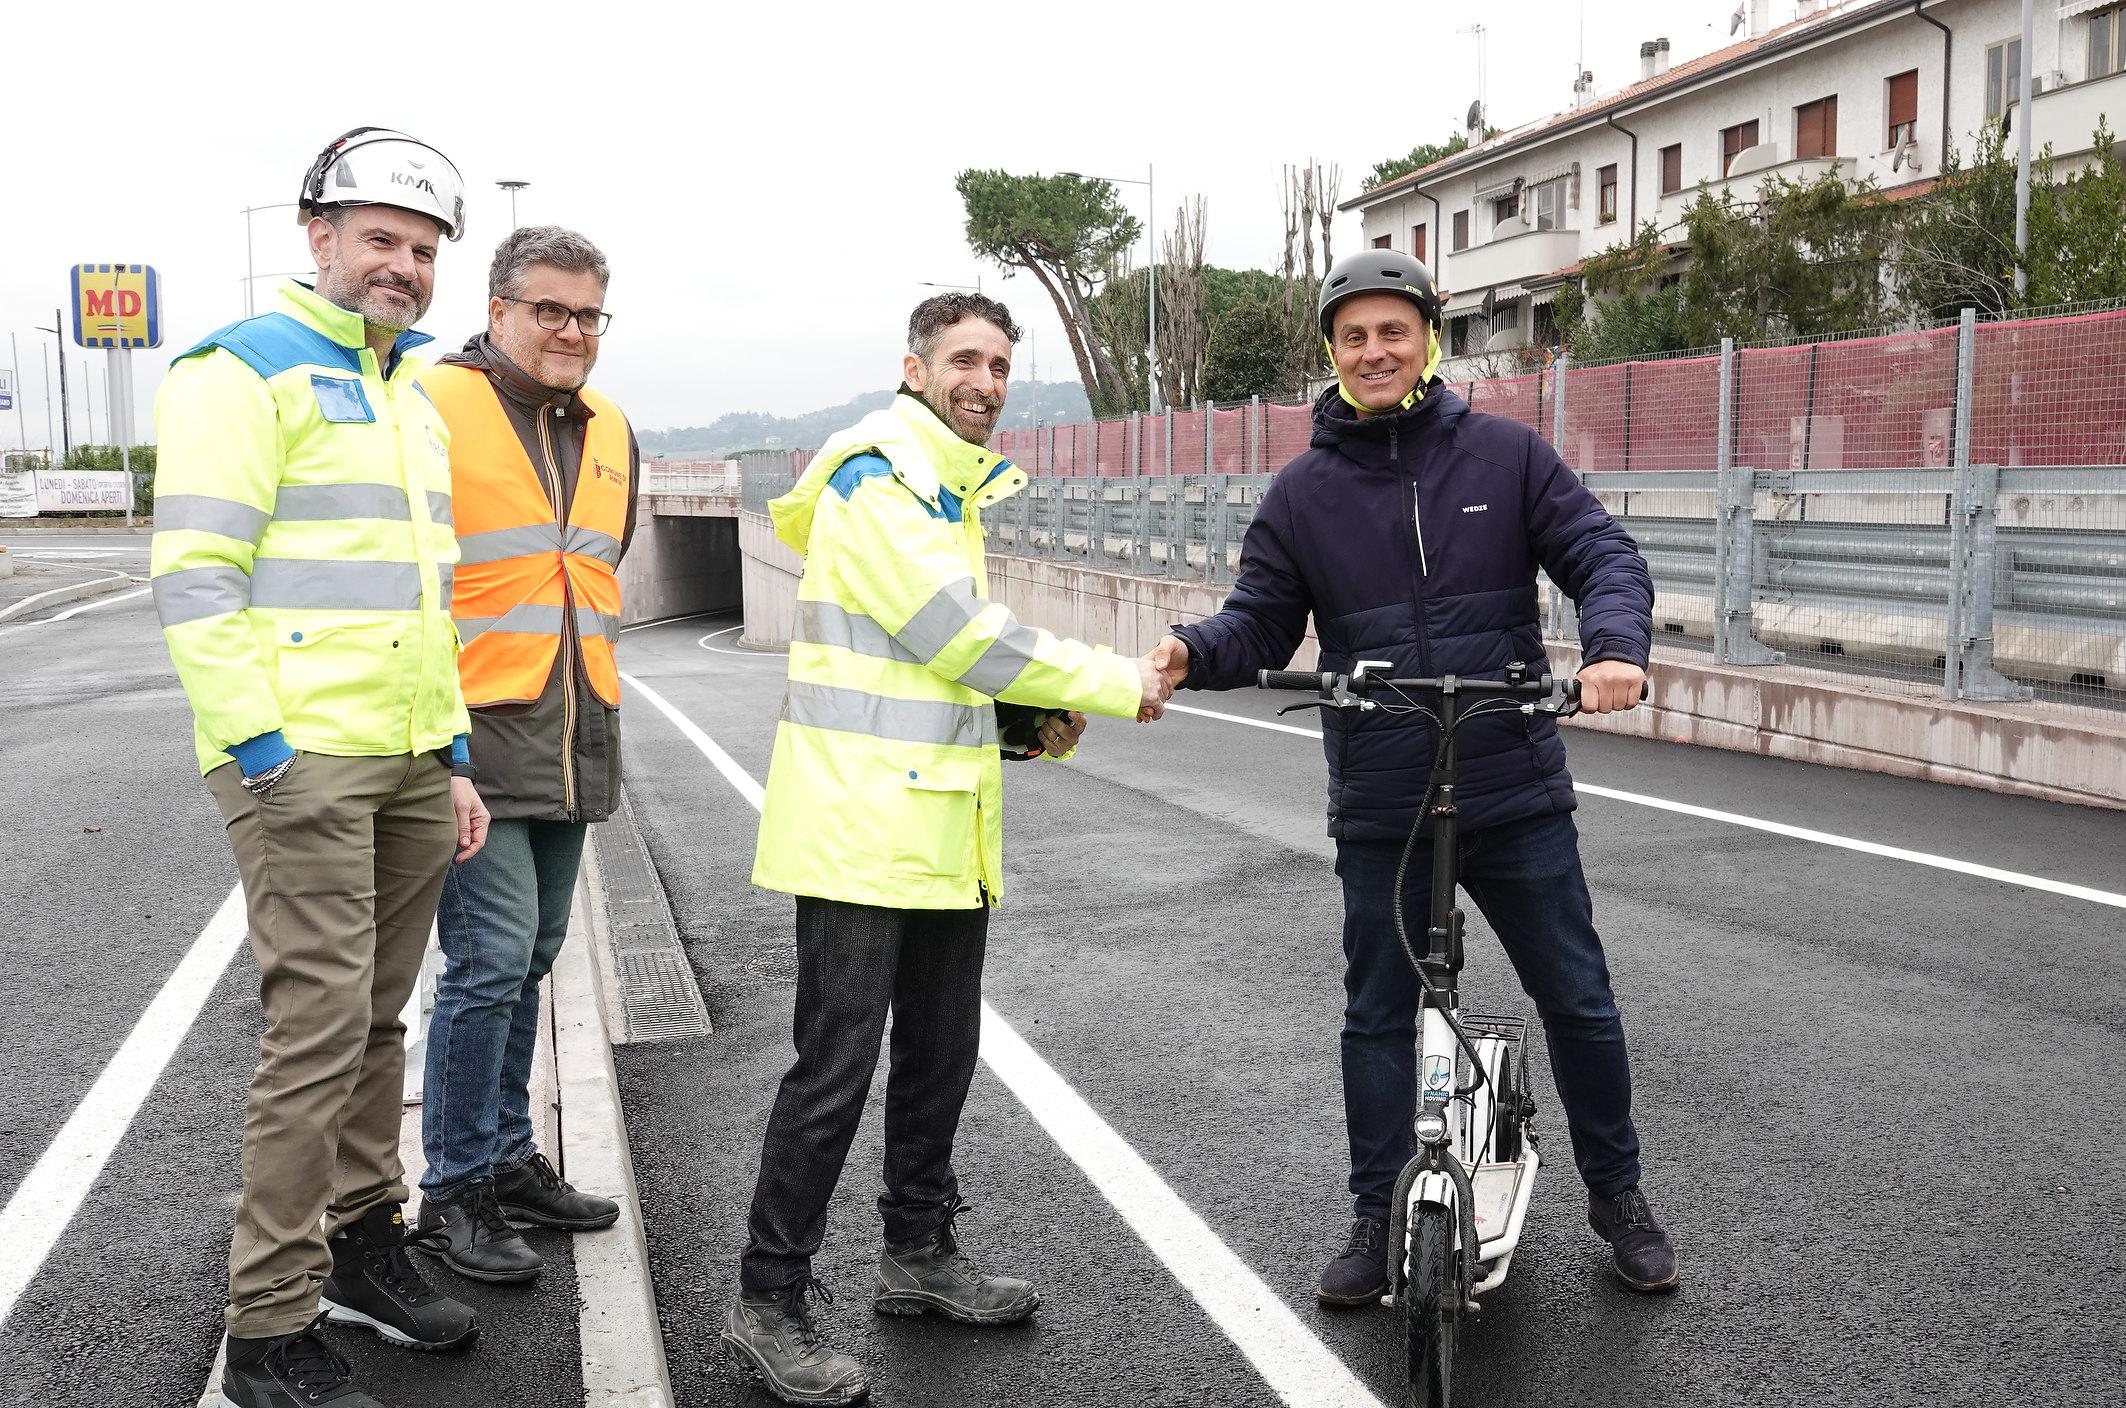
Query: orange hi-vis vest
[527, 579]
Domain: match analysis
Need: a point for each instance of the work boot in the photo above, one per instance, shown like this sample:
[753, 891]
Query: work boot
[289, 1371]
[772, 1334]
[533, 1192]
[376, 1285]
[474, 1239]
[1359, 1275]
[1645, 1259]
[930, 1273]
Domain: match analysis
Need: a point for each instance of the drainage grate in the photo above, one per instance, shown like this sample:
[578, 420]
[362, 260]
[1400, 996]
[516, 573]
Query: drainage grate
[658, 994]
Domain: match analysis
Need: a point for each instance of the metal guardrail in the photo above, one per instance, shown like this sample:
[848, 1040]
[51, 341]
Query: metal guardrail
[1885, 571]
[692, 481]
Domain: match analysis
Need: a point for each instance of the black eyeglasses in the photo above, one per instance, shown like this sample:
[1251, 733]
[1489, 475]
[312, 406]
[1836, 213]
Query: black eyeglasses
[553, 317]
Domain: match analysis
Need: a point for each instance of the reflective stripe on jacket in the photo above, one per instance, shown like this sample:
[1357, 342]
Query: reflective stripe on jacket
[532, 576]
[886, 787]
[303, 547]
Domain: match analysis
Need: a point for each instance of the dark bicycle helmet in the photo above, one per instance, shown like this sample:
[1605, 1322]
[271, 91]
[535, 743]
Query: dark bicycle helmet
[1378, 271]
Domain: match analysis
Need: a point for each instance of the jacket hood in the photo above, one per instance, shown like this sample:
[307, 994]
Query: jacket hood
[1374, 441]
[926, 457]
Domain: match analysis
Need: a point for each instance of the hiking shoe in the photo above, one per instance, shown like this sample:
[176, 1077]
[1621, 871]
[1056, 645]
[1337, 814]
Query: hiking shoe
[930, 1273]
[1359, 1275]
[474, 1239]
[376, 1285]
[773, 1335]
[533, 1192]
[1645, 1259]
[289, 1371]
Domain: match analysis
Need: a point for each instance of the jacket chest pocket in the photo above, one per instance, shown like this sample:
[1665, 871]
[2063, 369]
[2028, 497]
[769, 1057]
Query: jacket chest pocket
[931, 828]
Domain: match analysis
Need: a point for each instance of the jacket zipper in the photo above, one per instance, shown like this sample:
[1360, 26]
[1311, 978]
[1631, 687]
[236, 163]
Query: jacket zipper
[568, 626]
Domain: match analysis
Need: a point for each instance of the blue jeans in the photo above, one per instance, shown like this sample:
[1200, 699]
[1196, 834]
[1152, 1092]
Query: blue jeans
[1525, 879]
[502, 918]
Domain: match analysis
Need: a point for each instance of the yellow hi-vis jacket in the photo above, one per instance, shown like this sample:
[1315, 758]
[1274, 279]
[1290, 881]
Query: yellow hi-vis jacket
[303, 545]
[886, 787]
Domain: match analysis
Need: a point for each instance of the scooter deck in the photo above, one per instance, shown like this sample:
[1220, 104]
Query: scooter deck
[1495, 1186]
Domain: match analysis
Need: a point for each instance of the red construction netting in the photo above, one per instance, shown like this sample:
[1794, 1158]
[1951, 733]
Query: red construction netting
[1594, 419]
[1516, 398]
[1290, 429]
[2050, 391]
[1188, 443]
[1230, 442]
[1111, 448]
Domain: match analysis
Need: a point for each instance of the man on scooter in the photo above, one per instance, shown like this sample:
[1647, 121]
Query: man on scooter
[1411, 530]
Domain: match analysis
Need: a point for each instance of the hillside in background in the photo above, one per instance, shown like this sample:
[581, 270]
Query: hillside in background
[754, 430]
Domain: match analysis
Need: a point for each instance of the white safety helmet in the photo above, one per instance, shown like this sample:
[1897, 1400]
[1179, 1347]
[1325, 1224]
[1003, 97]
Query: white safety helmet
[376, 166]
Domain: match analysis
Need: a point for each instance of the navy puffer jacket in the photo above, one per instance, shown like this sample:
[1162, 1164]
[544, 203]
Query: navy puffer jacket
[1415, 538]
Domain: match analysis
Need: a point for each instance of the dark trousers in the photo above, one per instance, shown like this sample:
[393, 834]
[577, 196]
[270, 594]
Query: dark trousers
[855, 963]
[1526, 880]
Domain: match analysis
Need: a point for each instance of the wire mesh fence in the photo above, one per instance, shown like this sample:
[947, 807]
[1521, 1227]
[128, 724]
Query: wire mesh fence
[1936, 510]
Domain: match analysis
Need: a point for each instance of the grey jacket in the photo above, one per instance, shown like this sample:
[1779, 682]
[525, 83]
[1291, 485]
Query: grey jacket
[530, 764]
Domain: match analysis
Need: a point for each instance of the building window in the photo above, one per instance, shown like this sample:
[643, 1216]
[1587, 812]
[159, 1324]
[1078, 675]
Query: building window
[1733, 142]
[2107, 42]
[1550, 204]
[2004, 77]
[1546, 327]
[1816, 128]
[1417, 243]
[1606, 179]
[1460, 342]
[1384, 241]
[1904, 107]
[1671, 169]
[1505, 208]
[1461, 230]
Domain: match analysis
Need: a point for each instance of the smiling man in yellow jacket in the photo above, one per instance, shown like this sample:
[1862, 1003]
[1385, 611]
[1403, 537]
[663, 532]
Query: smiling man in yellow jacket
[302, 570]
[884, 816]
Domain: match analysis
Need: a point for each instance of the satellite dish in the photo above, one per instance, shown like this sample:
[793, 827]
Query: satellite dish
[1897, 162]
[1738, 19]
[1475, 121]
[1491, 302]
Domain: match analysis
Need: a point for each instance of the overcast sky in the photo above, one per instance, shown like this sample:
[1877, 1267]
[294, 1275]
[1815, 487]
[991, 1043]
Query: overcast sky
[772, 183]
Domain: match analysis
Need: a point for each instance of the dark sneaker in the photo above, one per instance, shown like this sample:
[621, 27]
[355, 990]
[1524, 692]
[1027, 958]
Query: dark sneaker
[474, 1239]
[1359, 1275]
[376, 1285]
[533, 1192]
[1645, 1259]
[930, 1273]
[291, 1371]
[772, 1334]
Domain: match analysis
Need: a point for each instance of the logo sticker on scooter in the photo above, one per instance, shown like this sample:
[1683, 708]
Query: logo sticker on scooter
[1439, 1074]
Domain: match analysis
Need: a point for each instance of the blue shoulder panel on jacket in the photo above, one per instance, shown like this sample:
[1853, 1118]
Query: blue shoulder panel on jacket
[273, 342]
[855, 470]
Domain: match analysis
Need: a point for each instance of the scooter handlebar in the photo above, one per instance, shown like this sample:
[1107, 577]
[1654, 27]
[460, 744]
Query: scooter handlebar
[1314, 680]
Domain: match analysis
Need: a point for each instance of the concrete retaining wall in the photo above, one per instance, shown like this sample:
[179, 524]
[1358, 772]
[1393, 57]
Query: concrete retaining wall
[677, 566]
[2034, 750]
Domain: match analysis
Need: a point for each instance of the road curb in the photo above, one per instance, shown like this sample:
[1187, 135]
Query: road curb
[623, 1343]
[79, 591]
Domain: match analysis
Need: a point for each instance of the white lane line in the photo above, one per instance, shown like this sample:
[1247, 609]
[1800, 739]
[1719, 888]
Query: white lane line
[38, 1214]
[742, 654]
[29, 601]
[1777, 828]
[1291, 1359]
[671, 620]
[97, 605]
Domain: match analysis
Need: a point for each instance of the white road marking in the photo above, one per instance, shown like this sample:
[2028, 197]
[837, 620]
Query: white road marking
[47, 1199]
[671, 621]
[1777, 828]
[1291, 1359]
[742, 654]
[98, 604]
[29, 601]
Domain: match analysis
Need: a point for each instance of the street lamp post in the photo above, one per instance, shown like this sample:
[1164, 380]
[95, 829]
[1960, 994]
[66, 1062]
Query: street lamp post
[1151, 277]
[513, 187]
[250, 279]
[66, 417]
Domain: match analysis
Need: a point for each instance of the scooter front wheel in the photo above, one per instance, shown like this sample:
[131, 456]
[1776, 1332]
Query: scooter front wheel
[1432, 1302]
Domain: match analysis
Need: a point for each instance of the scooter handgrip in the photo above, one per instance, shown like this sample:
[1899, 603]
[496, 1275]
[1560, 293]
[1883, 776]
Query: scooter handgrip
[1295, 679]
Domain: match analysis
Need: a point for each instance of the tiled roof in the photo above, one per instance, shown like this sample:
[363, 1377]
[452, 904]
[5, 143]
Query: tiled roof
[1681, 73]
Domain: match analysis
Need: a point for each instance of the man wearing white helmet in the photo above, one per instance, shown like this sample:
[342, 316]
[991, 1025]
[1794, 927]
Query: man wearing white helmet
[302, 570]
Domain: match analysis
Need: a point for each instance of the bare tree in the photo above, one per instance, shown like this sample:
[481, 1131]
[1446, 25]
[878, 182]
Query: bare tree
[1184, 324]
[1309, 203]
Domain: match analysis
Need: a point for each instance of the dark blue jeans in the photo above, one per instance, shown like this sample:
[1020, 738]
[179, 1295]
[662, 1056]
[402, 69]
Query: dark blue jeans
[502, 918]
[1525, 879]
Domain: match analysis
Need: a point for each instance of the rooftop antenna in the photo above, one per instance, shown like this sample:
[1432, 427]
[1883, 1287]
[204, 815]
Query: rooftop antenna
[1483, 91]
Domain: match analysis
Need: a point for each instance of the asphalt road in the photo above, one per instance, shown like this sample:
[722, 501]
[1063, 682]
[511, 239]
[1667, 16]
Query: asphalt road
[116, 861]
[1878, 1098]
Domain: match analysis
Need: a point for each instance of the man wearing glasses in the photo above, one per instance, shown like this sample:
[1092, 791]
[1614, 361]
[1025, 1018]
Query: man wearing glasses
[543, 471]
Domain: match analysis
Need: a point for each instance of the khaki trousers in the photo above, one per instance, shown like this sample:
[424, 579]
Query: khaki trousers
[341, 863]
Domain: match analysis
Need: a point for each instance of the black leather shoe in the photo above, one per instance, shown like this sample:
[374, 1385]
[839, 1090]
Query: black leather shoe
[376, 1285]
[1645, 1259]
[474, 1239]
[533, 1192]
[773, 1335]
[930, 1273]
[289, 1371]
[1359, 1275]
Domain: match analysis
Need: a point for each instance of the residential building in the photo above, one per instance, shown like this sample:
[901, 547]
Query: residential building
[1869, 88]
